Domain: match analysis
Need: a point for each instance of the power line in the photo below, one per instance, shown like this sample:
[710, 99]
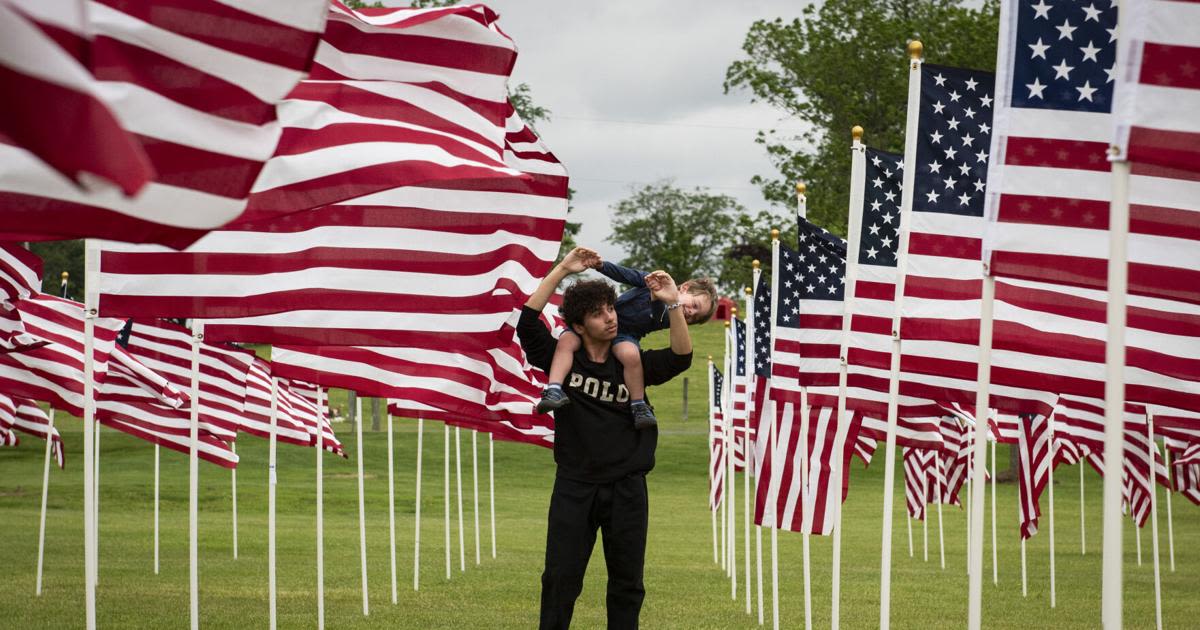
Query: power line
[614, 121]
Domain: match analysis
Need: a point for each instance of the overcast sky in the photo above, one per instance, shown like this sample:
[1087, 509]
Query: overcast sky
[634, 89]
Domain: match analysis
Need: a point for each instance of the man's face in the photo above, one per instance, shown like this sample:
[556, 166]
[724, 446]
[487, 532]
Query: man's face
[599, 325]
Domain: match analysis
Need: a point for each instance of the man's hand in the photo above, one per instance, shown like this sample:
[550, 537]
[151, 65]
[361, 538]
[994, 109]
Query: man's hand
[662, 287]
[579, 259]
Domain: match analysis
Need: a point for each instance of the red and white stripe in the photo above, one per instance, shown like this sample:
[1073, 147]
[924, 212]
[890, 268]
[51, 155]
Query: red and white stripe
[954, 455]
[1034, 450]
[166, 348]
[167, 427]
[300, 399]
[404, 267]
[195, 84]
[20, 272]
[397, 97]
[256, 420]
[1157, 91]
[920, 469]
[52, 369]
[41, 63]
[1049, 184]
[29, 418]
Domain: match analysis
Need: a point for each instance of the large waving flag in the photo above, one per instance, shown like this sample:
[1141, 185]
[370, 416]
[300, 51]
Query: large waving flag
[194, 90]
[1055, 120]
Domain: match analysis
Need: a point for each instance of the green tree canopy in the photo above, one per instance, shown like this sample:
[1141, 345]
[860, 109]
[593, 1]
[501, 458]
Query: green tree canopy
[840, 65]
[682, 232]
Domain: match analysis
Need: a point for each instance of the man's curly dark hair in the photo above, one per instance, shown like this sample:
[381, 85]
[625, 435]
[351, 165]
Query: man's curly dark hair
[584, 298]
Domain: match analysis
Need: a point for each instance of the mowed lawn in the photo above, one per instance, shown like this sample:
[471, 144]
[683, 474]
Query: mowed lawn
[685, 589]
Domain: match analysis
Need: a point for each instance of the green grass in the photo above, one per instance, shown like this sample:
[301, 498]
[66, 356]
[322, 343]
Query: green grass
[684, 588]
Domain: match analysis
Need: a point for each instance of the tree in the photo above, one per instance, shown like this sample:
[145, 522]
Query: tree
[842, 65]
[749, 240]
[682, 232]
[57, 257]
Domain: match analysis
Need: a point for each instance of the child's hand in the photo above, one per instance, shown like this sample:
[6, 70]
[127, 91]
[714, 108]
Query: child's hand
[662, 287]
[579, 259]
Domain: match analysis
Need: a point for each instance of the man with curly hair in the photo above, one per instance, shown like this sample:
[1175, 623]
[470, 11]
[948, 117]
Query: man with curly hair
[602, 460]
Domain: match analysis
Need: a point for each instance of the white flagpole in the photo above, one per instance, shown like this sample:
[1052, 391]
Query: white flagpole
[45, 493]
[417, 506]
[970, 524]
[908, 522]
[776, 469]
[194, 480]
[233, 490]
[858, 167]
[462, 547]
[1114, 391]
[1138, 533]
[91, 259]
[1024, 581]
[937, 459]
[731, 487]
[446, 490]
[362, 510]
[1082, 527]
[1170, 522]
[979, 460]
[751, 353]
[391, 457]
[1153, 519]
[925, 532]
[746, 503]
[272, 464]
[889, 472]
[712, 477]
[1050, 484]
[995, 554]
[492, 490]
[475, 490]
[320, 508]
[96, 515]
[728, 506]
[156, 478]
[806, 508]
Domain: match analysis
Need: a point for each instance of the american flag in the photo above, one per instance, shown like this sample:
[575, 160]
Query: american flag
[36, 70]
[194, 90]
[716, 438]
[1050, 197]
[760, 363]
[954, 455]
[51, 370]
[1034, 450]
[256, 419]
[739, 412]
[405, 267]
[20, 273]
[920, 473]
[396, 97]
[1156, 90]
[29, 418]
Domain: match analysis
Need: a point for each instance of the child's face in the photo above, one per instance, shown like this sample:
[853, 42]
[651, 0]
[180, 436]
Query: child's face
[694, 306]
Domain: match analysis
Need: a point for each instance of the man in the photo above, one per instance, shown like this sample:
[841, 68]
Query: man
[602, 459]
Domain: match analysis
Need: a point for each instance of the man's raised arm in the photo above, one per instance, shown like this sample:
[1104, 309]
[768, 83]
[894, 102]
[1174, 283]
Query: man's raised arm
[575, 261]
[662, 287]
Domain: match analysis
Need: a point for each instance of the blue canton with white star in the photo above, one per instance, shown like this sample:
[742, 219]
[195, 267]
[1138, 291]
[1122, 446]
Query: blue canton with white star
[718, 385]
[815, 271]
[739, 343]
[953, 138]
[1064, 55]
[762, 326]
[881, 209]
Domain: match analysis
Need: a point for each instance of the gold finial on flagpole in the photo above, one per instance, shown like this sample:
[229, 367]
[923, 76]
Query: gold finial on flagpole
[747, 290]
[710, 358]
[775, 234]
[727, 323]
[801, 188]
[856, 132]
[915, 48]
[755, 264]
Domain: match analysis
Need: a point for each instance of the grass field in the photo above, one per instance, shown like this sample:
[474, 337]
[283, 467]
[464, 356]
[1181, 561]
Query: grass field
[684, 587]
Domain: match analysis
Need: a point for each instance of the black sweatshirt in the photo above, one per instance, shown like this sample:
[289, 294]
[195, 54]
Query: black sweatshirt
[594, 438]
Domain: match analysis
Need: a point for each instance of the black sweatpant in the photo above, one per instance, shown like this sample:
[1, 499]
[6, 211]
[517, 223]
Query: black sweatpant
[620, 510]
